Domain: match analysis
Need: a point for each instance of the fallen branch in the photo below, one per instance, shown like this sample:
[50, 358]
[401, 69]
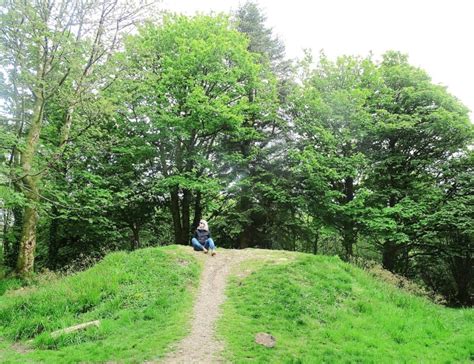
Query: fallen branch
[68, 330]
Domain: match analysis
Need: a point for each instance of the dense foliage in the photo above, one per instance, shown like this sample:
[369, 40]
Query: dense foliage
[112, 142]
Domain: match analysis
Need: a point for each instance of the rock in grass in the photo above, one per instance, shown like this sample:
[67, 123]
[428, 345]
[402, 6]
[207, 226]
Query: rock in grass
[265, 339]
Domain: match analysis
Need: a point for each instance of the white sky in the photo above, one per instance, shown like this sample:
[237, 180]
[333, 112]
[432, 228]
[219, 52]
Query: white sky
[436, 34]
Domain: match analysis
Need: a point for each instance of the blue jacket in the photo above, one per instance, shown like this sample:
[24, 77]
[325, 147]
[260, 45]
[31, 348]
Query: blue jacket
[202, 235]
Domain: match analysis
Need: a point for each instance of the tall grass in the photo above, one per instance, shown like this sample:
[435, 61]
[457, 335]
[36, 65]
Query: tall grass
[142, 299]
[321, 310]
[8, 284]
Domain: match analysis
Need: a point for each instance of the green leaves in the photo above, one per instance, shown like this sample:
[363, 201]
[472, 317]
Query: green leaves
[372, 142]
[188, 181]
[198, 85]
[10, 198]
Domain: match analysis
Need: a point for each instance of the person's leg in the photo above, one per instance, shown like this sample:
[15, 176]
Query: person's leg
[211, 246]
[197, 245]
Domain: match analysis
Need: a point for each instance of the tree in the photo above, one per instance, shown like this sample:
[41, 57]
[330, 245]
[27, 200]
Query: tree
[331, 119]
[415, 126]
[256, 156]
[251, 22]
[185, 92]
[448, 233]
[107, 197]
[51, 52]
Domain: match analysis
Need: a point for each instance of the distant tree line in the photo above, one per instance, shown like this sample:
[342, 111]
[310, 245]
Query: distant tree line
[116, 141]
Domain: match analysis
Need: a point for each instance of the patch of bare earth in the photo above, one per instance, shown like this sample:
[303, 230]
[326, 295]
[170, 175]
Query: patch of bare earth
[21, 348]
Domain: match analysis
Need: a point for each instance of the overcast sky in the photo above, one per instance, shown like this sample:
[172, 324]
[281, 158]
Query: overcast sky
[436, 34]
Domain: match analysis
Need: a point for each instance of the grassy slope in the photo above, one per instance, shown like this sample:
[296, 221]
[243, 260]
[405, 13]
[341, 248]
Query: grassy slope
[320, 309]
[142, 299]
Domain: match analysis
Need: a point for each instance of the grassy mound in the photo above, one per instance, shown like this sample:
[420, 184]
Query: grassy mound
[142, 299]
[320, 309]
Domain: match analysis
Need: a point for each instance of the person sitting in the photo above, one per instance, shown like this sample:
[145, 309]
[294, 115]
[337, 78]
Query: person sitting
[202, 240]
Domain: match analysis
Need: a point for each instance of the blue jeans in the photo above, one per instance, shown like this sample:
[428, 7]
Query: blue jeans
[209, 244]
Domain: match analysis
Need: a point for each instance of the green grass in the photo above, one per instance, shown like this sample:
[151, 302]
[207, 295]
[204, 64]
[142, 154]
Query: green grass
[8, 284]
[142, 299]
[321, 310]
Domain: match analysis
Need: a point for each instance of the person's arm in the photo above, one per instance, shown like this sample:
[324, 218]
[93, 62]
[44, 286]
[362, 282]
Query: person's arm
[195, 234]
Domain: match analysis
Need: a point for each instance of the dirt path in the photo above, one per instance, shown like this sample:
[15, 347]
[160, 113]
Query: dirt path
[201, 345]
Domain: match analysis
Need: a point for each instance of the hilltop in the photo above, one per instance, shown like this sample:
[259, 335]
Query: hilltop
[317, 308]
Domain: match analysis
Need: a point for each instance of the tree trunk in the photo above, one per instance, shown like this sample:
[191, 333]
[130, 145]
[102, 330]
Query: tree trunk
[175, 213]
[390, 248]
[389, 255]
[349, 233]
[244, 238]
[245, 203]
[349, 239]
[244, 206]
[405, 260]
[185, 216]
[462, 271]
[25, 263]
[135, 236]
[197, 210]
[26, 256]
[66, 128]
[315, 244]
